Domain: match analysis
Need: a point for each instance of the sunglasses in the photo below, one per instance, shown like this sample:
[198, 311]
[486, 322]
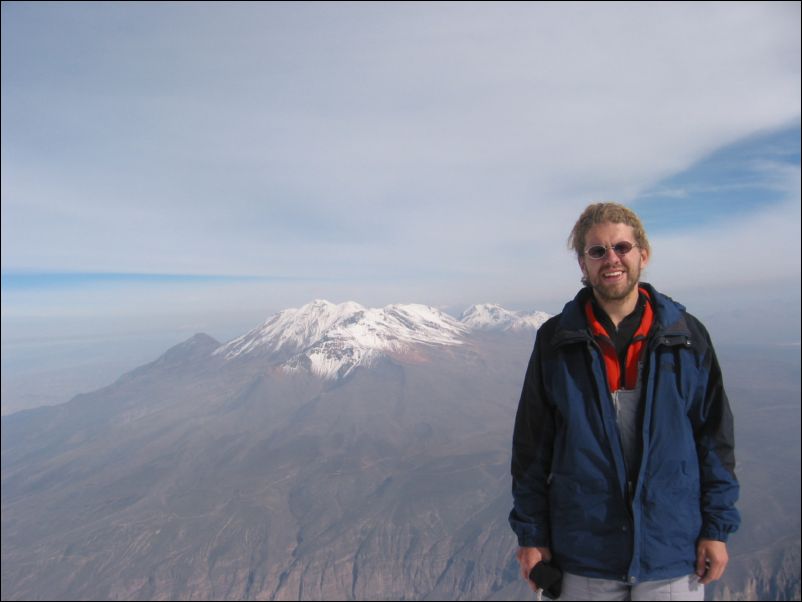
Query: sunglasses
[600, 251]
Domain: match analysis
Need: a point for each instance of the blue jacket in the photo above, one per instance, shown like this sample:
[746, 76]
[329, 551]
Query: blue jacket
[570, 486]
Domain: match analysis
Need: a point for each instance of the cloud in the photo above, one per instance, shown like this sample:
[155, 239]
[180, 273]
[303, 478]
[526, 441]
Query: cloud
[381, 152]
[757, 250]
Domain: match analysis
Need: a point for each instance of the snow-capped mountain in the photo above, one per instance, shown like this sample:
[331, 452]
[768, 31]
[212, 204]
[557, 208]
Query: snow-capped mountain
[291, 330]
[489, 316]
[331, 340]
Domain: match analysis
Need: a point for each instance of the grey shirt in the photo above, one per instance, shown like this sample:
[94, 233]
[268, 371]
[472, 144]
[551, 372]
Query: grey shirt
[627, 404]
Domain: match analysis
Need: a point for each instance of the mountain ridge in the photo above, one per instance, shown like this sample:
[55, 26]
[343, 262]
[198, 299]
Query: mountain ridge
[331, 340]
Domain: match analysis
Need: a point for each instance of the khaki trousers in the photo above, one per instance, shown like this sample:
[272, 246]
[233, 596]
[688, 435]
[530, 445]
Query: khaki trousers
[585, 588]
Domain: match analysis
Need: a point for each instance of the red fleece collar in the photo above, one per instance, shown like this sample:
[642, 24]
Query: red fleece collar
[611, 363]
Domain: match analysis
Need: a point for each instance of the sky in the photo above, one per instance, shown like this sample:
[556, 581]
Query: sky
[185, 167]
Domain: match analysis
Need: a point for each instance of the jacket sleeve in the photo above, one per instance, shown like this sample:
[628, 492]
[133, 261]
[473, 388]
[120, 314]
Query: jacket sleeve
[715, 446]
[532, 443]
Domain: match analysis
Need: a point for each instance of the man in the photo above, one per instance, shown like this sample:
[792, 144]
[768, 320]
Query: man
[623, 446]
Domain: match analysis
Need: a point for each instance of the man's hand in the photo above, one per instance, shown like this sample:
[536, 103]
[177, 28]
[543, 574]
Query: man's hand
[528, 558]
[711, 560]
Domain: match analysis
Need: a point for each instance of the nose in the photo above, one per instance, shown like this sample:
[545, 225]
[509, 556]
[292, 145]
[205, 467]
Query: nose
[610, 251]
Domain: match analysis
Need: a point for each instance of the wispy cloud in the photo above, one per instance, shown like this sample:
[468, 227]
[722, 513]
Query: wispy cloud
[13, 281]
[383, 152]
[742, 179]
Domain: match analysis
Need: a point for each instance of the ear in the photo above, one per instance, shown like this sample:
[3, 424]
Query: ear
[582, 266]
[644, 257]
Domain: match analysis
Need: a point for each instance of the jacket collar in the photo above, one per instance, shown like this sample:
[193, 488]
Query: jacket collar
[669, 320]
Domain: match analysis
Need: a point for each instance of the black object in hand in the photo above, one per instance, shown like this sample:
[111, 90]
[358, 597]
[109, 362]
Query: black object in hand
[548, 578]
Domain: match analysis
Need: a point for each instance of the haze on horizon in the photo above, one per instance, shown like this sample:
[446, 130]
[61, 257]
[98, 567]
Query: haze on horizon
[177, 168]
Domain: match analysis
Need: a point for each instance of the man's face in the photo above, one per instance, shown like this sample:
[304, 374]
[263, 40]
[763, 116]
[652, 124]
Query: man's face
[613, 277]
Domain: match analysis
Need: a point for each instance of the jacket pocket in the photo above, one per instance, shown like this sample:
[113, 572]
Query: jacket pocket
[587, 524]
[671, 521]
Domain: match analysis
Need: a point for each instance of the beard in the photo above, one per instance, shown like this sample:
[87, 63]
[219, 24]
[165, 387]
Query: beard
[617, 291]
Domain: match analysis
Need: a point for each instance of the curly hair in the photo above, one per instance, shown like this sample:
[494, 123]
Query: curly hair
[601, 213]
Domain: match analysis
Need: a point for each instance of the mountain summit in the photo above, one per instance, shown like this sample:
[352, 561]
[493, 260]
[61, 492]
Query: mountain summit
[330, 340]
[489, 316]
